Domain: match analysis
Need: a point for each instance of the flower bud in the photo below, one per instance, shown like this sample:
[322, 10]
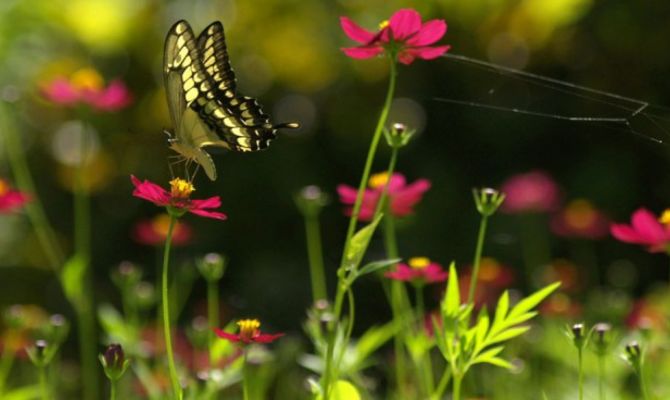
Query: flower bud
[144, 295]
[311, 200]
[114, 361]
[602, 338]
[487, 200]
[633, 355]
[41, 353]
[577, 333]
[126, 275]
[199, 332]
[59, 328]
[398, 136]
[212, 266]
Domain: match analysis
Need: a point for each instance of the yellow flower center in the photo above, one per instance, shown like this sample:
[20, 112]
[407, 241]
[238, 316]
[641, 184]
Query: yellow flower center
[378, 180]
[580, 214]
[4, 187]
[664, 218]
[419, 262]
[161, 224]
[181, 189]
[87, 78]
[489, 270]
[249, 328]
[383, 24]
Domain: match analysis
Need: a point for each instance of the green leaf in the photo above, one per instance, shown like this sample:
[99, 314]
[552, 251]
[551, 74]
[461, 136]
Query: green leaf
[507, 334]
[72, 279]
[373, 339]
[376, 266]
[533, 300]
[452, 299]
[359, 244]
[502, 308]
[23, 393]
[488, 355]
[499, 362]
[343, 390]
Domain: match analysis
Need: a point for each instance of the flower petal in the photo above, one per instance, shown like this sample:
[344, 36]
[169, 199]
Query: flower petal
[646, 224]
[225, 335]
[355, 32]
[430, 32]
[403, 201]
[404, 23]
[267, 338]
[430, 53]
[112, 98]
[60, 91]
[209, 214]
[347, 194]
[360, 53]
[397, 182]
[150, 191]
[212, 202]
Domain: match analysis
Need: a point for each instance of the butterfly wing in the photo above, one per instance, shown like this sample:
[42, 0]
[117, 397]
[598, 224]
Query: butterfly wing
[240, 120]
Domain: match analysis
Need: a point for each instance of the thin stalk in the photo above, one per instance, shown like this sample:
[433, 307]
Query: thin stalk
[581, 374]
[174, 378]
[245, 376]
[339, 295]
[426, 364]
[315, 256]
[24, 182]
[601, 377]
[44, 385]
[643, 383]
[6, 363]
[442, 385]
[456, 390]
[212, 315]
[350, 326]
[478, 258]
[112, 390]
[85, 304]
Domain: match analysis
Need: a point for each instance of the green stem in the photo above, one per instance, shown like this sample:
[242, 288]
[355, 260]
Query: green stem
[245, 376]
[442, 385]
[601, 377]
[315, 256]
[339, 295]
[44, 385]
[24, 182]
[6, 363]
[643, 383]
[478, 258]
[174, 378]
[212, 315]
[456, 390]
[426, 364]
[112, 390]
[581, 374]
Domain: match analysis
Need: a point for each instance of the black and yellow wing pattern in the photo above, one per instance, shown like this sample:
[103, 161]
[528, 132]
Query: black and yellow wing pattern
[205, 107]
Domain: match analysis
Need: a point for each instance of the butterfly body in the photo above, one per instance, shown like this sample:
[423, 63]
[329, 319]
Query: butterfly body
[204, 106]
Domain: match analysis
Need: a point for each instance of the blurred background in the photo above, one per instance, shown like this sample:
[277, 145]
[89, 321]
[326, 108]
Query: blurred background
[286, 53]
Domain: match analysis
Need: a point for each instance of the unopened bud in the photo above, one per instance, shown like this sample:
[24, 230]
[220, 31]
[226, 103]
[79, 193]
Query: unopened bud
[487, 200]
[311, 200]
[212, 266]
[114, 361]
[398, 136]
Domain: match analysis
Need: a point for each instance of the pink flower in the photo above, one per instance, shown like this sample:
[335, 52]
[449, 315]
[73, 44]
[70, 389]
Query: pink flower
[86, 86]
[534, 191]
[154, 232]
[178, 199]
[645, 229]
[403, 36]
[11, 200]
[250, 332]
[401, 197]
[580, 219]
[418, 270]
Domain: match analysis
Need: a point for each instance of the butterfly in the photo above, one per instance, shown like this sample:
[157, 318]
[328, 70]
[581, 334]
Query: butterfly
[204, 105]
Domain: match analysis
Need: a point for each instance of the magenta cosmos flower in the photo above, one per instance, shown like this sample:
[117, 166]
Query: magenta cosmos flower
[11, 200]
[250, 332]
[87, 87]
[153, 232]
[645, 229]
[403, 35]
[419, 271]
[402, 196]
[178, 200]
[534, 191]
[580, 219]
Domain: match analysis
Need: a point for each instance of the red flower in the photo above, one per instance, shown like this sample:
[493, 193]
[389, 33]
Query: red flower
[402, 197]
[250, 332]
[11, 200]
[153, 232]
[86, 86]
[580, 219]
[531, 192]
[645, 229]
[418, 270]
[178, 199]
[403, 35]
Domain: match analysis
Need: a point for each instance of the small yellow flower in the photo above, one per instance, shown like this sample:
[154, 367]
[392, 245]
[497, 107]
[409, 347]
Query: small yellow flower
[87, 78]
[383, 24]
[181, 189]
[249, 328]
[378, 180]
[664, 218]
[419, 262]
